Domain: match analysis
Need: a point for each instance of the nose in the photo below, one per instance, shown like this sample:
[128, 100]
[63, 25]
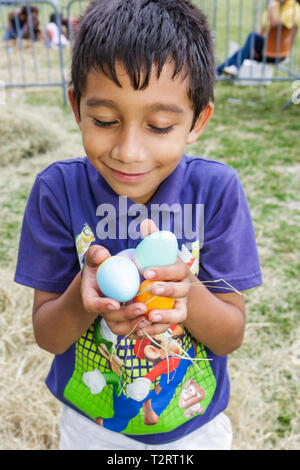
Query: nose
[128, 147]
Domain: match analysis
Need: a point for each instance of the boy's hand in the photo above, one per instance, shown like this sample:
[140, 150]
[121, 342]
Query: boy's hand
[120, 319]
[175, 283]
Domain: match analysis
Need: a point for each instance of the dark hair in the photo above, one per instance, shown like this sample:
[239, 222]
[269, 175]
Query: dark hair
[28, 8]
[54, 18]
[140, 33]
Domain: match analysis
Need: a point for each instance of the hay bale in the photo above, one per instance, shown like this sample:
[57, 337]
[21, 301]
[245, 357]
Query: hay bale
[24, 135]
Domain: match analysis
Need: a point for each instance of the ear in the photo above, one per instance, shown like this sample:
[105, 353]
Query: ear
[200, 123]
[73, 103]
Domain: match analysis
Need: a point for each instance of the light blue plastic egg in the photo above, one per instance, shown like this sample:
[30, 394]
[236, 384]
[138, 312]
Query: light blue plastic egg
[130, 253]
[118, 278]
[158, 249]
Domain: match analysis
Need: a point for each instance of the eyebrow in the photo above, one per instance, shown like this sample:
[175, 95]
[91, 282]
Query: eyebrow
[170, 108]
[93, 102]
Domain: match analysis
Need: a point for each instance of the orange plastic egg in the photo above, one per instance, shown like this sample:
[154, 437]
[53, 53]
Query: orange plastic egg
[152, 301]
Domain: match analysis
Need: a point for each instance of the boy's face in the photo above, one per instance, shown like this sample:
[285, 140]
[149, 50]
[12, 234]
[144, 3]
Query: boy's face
[135, 139]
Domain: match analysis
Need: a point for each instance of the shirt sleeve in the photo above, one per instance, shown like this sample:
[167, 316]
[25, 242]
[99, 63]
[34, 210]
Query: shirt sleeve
[291, 16]
[229, 254]
[47, 257]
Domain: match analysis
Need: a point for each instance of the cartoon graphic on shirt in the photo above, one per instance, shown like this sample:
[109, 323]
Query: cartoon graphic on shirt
[147, 393]
[153, 391]
[96, 380]
[148, 402]
[159, 350]
[191, 259]
[83, 242]
[191, 396]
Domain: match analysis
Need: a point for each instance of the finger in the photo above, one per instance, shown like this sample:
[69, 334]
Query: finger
[91, 294]
[93, 303]
[95, 255]
[127, 328]
[173, 272]
[127, 313]
[174, 289]
[147, 227]
[152, 330]
[175, 315]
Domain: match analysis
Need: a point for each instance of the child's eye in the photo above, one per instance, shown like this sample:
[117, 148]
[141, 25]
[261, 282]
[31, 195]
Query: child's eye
[104, 123]
[161, 130]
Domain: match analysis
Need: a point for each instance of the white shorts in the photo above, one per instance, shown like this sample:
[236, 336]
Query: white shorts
[80, 433]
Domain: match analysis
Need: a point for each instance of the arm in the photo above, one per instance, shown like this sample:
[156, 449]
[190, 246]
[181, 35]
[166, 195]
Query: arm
[215, 320]
[262, 31]
[274, 20]
[49, 33]
[165, 366]
[60, 319]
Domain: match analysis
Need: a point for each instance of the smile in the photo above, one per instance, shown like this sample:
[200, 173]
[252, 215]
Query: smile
[129, 177]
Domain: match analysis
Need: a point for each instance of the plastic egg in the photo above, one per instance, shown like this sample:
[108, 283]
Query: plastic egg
[158, 249]
[118, 278]
[128, 253]
[152, 301]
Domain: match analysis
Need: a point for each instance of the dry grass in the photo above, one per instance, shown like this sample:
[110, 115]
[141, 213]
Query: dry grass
[265, 372]
[24, 135]
[261, 142]
[29, 414]
[30, 62]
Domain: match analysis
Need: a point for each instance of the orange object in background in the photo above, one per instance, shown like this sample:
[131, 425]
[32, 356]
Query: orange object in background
[152, 301]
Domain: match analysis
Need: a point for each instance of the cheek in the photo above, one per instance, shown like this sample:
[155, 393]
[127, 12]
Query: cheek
[93, 142]
[168, 151]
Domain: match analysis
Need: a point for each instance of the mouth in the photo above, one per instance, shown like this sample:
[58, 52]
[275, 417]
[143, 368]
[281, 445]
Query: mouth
[129, 177]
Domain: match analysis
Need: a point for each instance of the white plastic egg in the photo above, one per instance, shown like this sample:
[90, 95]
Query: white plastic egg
[118, 278]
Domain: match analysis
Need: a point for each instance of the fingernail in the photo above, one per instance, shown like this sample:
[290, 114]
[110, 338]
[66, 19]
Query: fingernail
[150, 274]
[144, 323]
[140, 311]
[111, 307]
[157, 318]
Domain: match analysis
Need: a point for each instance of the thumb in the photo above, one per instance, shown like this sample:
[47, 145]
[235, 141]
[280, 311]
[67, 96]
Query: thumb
[95, 255]
[147, 227]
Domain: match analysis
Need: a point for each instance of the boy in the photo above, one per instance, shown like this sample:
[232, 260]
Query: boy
[142, 86]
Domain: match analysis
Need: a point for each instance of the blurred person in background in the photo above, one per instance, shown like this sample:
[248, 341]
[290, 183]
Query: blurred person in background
[54, 34]
[23, 23]
[274, 41]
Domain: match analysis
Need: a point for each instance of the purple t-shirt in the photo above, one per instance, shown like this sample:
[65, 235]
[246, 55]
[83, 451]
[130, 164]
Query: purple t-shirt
[116, 382]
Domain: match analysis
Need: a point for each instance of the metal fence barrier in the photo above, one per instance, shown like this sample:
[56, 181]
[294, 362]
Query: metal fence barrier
[29, 59]
[273, 52]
